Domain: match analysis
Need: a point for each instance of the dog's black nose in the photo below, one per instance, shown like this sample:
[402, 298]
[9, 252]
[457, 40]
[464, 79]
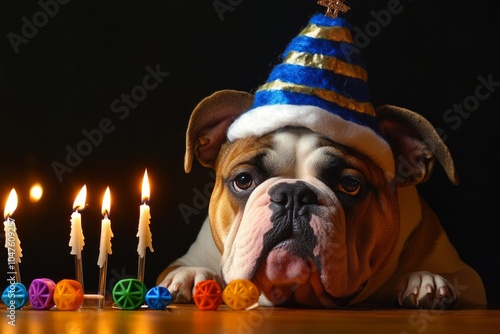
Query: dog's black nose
[293, 196]
[293, 205]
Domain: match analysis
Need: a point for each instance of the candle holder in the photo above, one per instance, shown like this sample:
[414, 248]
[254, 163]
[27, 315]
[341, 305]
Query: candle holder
[68, 295]
[15, 295]
[79, 270]
[92, 301]
[141, 268]
[241, 294]
[102, 285]
[158, 298]
[17, 272]
[129, 294]
[41, 293]
[207, 295]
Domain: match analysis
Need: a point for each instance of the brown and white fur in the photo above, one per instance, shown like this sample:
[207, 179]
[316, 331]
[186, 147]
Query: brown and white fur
[315, 223]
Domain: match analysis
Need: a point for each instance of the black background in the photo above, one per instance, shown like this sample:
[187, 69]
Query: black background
[64, 79]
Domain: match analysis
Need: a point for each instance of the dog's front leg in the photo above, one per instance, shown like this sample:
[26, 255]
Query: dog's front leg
[201, 262]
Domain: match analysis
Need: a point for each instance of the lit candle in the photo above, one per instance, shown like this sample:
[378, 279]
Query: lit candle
[76, 241]
[144, 233]
[105, 246]
[106, 233]
[12, 242]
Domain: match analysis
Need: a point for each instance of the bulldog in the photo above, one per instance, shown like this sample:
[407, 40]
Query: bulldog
[316, 223]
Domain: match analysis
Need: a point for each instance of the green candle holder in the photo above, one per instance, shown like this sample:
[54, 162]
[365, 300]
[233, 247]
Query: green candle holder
[129, 293]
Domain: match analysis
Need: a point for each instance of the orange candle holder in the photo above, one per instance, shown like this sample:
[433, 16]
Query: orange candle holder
[240, 294]
[68, 295]
[207, 295]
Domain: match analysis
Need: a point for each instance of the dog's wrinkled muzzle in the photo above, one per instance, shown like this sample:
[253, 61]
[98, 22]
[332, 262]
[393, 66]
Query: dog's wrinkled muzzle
[286, 262]
[286, 242]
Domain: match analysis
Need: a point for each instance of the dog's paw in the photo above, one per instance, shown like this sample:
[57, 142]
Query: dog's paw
[425, 290]
[182, 281]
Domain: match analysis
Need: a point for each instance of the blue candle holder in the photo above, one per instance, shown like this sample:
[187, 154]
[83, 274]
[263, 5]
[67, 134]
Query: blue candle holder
[15, 295]
[158, 298]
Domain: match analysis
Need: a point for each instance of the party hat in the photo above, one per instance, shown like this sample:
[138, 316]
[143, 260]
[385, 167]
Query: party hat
[320, 84]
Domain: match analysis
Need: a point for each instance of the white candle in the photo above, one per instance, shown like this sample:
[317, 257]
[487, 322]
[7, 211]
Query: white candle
[76, 241]
[12, 242]
[106, 233]
[144, 233]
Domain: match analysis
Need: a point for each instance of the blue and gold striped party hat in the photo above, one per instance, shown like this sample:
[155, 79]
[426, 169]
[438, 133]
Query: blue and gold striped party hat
[320, 84]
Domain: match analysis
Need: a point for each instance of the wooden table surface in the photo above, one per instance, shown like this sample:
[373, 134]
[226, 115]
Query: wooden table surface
[188, 319]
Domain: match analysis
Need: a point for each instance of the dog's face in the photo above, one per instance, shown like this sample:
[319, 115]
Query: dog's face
[304, 218]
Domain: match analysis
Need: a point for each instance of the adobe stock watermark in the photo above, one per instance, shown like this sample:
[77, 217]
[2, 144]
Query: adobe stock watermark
[11, 291]
[455, 115]
[223, 6]
[121, 107]
[30, 27]
[406, 166]
[373, 28]
[116, 276]
[73, 326]
[200, 202]
[11, 298]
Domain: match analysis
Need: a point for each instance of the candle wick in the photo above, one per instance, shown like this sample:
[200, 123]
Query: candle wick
[146, 201]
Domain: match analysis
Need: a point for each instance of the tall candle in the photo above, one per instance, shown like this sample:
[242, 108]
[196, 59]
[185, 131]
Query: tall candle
[76, 241]
[12, 242]
[144, 233]
[105, 245]
[106, 232]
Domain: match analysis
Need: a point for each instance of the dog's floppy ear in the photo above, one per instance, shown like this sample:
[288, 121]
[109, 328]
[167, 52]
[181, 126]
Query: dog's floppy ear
[209, 121]
[415, 144]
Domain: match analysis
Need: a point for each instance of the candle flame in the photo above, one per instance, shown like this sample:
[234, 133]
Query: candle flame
[106, 202]
[11, 205]
[79, 203]
[36, 192]
[145, 187]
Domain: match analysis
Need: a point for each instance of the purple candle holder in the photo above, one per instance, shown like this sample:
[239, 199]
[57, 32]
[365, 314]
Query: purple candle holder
[41, 293]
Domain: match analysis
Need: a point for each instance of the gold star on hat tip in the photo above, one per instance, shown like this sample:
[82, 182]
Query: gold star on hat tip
[333, 7]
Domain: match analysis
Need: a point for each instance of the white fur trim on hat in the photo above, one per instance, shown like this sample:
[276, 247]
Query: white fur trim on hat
[267, 118]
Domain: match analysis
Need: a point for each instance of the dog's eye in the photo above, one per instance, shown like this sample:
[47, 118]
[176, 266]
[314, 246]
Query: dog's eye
[243, 181]
[349, 186]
